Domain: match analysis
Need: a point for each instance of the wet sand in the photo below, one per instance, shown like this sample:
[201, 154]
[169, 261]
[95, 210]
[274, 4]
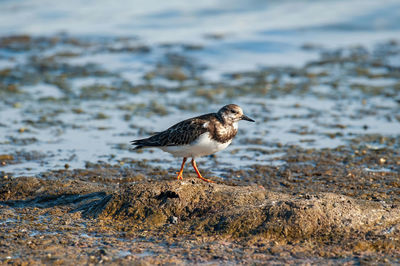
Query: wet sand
[113, 214]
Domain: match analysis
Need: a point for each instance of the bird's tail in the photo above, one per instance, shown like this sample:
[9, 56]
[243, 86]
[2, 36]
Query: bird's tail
[139, 143]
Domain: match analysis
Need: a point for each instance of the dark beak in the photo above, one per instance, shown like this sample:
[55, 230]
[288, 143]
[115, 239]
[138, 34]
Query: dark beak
[244, 117]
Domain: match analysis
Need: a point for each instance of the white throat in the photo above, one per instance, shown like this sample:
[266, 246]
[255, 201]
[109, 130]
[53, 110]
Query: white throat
[235, 125]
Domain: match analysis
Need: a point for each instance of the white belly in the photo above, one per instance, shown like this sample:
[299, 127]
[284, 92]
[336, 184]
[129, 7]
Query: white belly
[203, 146]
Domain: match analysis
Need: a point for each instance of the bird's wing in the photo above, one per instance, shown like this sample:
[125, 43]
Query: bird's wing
[182, 133]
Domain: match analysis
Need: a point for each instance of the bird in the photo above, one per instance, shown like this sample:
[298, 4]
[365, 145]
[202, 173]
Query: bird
[198, 136]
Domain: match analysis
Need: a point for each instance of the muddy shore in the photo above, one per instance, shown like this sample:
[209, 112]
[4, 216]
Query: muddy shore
[112, 214]
[315, 181]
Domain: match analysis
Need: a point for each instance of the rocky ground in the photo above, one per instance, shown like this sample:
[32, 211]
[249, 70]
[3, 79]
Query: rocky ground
[112, 214]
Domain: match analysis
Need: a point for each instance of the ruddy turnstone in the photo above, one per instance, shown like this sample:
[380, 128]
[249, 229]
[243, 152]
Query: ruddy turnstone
[197, 136]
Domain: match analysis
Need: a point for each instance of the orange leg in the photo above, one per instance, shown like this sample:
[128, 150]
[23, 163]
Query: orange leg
[198, 173]
[181, 171]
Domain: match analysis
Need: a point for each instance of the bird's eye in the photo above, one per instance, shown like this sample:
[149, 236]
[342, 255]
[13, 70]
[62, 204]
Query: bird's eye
[233, 111]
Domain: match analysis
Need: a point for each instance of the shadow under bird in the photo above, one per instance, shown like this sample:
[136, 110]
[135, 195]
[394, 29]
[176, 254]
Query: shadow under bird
[197, 136]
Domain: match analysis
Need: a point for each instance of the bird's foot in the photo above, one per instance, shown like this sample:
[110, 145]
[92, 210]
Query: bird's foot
[179, 176]
[205, 179]
[198, 172]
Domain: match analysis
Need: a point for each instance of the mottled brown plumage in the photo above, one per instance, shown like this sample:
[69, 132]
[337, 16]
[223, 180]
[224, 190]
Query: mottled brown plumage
[187, 131]
[197, 136]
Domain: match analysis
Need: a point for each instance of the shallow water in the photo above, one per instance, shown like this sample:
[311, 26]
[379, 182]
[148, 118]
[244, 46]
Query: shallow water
[236, 35]
[151, 67]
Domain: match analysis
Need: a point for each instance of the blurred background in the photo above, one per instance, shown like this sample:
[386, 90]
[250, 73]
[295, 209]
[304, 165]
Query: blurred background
[80, 79]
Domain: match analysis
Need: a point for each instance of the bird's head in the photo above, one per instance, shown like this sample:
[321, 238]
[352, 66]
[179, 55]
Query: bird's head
[232, 113]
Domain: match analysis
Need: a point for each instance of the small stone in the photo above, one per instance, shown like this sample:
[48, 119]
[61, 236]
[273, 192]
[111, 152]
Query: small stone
[173, 219]
[6, 157]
